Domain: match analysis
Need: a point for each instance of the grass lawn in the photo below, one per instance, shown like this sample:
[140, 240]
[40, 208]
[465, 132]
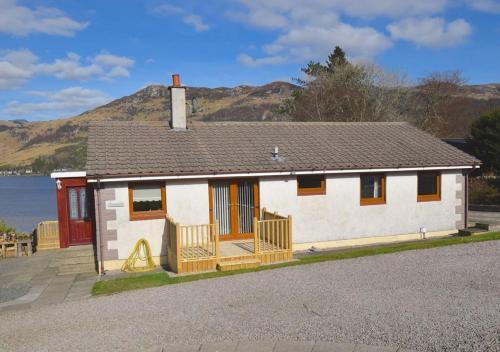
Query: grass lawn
[138, 281]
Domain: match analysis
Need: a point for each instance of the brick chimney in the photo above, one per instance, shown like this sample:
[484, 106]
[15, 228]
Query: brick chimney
[177, 104]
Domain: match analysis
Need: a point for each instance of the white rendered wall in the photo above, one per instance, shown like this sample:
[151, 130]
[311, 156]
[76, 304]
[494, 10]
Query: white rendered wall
[339, 215]
[334, 216]
[187, 203]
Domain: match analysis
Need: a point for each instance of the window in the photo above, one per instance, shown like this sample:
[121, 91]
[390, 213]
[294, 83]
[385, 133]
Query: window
[311, 185]
[146, 201]
[77, 203]
[372, 189]
[73, 204]
[429, 186]
[83, 203]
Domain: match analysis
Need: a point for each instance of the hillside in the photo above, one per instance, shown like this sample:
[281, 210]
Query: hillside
[61, 143]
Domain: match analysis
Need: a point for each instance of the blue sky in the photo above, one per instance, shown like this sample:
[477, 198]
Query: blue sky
[60, 58]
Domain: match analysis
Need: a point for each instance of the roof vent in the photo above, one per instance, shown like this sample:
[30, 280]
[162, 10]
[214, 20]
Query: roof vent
[276, 154]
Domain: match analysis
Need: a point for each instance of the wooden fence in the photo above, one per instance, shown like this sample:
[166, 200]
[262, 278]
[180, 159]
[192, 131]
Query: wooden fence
[267, 215]
[274, 237]
[47, 233]
[195, 248]
[172, 244]
[192, 248]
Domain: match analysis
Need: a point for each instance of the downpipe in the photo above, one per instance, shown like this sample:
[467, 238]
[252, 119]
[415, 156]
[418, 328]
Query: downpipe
[101, 263]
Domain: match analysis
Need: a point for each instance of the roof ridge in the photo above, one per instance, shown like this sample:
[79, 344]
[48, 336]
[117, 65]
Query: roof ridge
[229, 123]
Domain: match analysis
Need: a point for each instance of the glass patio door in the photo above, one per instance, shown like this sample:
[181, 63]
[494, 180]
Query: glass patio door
[234, 204]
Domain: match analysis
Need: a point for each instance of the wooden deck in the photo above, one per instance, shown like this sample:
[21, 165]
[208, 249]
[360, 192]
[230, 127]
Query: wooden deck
[197, 248]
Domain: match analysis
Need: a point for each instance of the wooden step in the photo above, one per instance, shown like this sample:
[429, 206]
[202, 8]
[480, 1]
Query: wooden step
[238, 264]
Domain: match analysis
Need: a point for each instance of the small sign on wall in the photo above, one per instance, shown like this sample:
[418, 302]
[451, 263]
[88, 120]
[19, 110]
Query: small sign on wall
[115, 205]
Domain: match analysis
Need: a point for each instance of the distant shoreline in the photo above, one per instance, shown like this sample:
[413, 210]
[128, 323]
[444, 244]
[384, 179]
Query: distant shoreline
[22, 175]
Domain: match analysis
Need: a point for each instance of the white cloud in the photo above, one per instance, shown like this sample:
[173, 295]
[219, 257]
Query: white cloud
[70, 68]
[113, 60]
[311, 43]
[491, 6]
[196, 22]
[18, 66]
[21, 20]
[282, 13]
[249, 61]
[259, 17]
[167, 9]
[309, 29]
[190, 19]
[431, 31]
[64, 102]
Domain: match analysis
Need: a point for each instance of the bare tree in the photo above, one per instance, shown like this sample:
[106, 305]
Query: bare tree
[434, 101]
[351, 92]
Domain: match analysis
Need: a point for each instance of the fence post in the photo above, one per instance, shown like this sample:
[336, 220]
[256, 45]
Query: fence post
[263, 212]
[256, 237]
[217, 240]
[178, 246]
[290, 232]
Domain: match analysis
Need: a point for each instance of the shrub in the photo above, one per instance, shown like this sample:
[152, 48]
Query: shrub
[6, 229]
[484, 191]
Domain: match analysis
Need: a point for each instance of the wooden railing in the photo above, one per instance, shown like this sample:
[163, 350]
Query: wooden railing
[47, 233]
[172, 244]
[273, 232]
[195, 248]
[267, 215]
[198, 241]
[191, 248]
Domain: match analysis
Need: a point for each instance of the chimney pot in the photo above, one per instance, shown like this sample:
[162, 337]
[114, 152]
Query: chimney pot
[176, 80]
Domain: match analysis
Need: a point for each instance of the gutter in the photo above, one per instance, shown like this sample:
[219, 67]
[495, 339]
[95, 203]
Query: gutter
[118, 178]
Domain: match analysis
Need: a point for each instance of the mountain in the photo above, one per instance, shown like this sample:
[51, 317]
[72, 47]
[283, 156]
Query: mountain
[61, 143]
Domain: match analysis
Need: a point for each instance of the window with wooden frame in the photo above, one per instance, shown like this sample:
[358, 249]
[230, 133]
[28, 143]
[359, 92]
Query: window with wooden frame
[372, 189]
[308, 185]
[146, 201]
[429, 186]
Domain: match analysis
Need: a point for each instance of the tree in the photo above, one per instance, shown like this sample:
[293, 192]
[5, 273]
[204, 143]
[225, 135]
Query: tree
[336, 59]
[342, 91]
[433, 104]
[485, 140]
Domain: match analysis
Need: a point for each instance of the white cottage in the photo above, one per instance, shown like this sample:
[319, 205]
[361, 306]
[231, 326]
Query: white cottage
[239, 194]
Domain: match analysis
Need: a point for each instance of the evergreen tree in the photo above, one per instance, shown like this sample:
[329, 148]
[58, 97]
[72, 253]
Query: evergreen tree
[336, 59]
[314, 69]
[485, 140]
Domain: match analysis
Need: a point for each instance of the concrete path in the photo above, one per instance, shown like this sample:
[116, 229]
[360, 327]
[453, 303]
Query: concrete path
[33, 281]
[488, 217]
[276, 346]
[441, 299]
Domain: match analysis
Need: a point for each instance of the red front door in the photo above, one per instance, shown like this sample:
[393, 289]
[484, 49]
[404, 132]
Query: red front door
[80, 225]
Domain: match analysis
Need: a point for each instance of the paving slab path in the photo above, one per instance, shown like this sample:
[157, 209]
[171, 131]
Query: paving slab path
[441, 299]
[488, 217]
[33, 281]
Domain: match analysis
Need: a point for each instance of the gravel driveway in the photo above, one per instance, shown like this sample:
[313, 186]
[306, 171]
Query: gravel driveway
[444, 299]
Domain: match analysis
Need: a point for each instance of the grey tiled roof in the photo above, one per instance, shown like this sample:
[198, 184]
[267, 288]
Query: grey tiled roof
[134, 148]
